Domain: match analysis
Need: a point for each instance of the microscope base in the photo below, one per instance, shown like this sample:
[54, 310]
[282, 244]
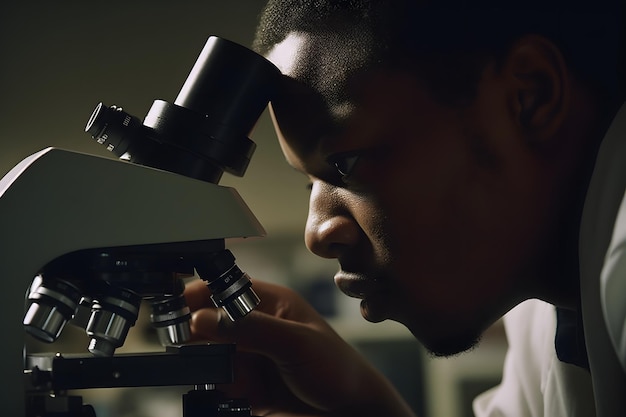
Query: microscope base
[48, 376]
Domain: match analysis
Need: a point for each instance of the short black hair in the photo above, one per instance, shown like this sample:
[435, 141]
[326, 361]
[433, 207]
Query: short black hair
[457, 35]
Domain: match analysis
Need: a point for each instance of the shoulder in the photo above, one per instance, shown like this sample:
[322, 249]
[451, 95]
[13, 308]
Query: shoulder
[535, 383]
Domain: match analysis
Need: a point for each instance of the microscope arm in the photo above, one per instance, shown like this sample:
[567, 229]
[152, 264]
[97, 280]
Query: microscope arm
[57, 201]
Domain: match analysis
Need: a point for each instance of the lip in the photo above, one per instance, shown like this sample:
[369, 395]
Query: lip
[377, 300]
[359, 285]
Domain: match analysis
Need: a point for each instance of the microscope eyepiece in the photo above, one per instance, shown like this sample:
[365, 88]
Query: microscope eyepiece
[113, 312]
[230, 287]
[204, 133]
[51, 304]
[113, 128]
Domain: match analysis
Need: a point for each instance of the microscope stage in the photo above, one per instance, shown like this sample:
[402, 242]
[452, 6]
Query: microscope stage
[182, 365]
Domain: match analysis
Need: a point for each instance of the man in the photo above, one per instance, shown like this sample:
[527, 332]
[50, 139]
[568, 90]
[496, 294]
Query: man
[450, 150]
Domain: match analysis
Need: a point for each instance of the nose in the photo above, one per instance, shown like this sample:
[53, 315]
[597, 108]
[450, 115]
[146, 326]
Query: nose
[330, 228]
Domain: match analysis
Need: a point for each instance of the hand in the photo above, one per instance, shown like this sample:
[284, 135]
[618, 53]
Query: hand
[290, 362]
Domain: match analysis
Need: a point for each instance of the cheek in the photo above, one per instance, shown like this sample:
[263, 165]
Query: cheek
[424, 200]
[446, 233]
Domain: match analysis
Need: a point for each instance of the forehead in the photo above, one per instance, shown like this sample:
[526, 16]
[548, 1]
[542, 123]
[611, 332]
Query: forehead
[330, 95]
[325, 60]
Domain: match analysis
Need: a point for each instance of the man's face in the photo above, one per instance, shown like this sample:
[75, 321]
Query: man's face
[430, 209]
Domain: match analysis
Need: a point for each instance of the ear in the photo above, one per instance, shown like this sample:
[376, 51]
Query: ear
[539, 86]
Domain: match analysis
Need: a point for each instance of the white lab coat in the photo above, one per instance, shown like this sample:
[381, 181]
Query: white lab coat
[535, 382]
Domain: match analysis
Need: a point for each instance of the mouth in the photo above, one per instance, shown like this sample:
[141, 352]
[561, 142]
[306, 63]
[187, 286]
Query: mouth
[375, 294]
[357, 285]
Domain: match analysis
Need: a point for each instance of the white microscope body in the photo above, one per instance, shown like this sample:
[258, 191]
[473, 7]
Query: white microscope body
[58, 204]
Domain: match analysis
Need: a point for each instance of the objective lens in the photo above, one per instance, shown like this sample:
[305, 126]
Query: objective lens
[112, 314]
[51, 304]
[170, 317]
[82, 313]
[232, 289]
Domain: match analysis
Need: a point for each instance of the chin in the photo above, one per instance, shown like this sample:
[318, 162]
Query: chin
[446, 344]
[449, 348]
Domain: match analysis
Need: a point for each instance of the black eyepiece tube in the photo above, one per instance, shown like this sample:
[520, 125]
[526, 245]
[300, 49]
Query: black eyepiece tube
[230, 84]
[221, 100]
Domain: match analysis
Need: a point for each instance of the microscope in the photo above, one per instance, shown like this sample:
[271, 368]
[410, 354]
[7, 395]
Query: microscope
[86, 240]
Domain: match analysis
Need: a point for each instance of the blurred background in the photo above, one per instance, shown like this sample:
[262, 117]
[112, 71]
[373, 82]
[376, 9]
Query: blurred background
[59, 59]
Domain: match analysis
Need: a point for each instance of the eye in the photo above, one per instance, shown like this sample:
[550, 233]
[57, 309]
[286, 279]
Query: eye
[344, 164]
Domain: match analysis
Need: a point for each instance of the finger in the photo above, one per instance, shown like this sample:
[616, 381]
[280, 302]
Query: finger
[197, 295]
[275, 300]
[258, 332]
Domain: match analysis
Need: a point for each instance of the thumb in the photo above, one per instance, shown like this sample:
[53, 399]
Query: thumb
[278, 338]
[279, 324]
